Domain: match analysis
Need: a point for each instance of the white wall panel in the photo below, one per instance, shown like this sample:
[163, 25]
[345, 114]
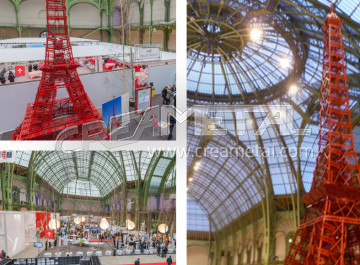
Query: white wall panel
[7, 14]
[15, 233]
[30, 226]
[33, 13]
[84, 15]
[162, 76]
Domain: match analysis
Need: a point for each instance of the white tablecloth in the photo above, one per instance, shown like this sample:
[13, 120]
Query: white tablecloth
[34, 74]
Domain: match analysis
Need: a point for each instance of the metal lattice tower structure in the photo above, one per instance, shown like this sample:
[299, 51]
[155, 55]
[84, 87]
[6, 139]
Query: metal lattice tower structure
[48, 116]
[330, 230]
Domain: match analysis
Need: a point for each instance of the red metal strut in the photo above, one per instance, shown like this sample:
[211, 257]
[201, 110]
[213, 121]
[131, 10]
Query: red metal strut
[329, 232]
[49, 116]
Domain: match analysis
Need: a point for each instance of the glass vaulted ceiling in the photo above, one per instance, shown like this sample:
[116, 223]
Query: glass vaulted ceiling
[224, 65]
[274, 174]
[96, 174]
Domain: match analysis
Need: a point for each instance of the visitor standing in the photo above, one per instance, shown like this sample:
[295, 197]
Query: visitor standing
[137, 262]
[169, 260]
[11, 77]
[3, 254]
[164, 94]
[2, 79]
[171, 124]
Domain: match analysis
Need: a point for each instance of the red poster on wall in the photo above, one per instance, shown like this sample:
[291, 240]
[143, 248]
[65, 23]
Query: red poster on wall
[42, 219]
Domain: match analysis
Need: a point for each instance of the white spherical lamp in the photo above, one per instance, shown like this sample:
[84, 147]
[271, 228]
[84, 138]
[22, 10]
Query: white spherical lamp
[130, 225]
[54, 224]
[104, 224]
[77, 220]
[163, 228]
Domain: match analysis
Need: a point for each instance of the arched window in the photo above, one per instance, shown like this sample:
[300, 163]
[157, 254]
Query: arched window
[289, 239]
[16, 195]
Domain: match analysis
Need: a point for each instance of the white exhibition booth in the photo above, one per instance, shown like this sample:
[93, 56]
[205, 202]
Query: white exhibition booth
[17, 229]
[100, 86]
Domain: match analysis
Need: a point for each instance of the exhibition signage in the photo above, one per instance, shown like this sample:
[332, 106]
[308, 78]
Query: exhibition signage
[42, 219]
[20, 70]
[49, 234]
[145, 52]
[143, 99]
[7, 156]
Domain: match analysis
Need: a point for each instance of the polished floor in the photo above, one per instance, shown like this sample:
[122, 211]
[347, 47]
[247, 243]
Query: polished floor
[31, 252]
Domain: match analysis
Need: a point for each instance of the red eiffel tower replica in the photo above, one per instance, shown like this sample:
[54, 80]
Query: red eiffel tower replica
[114, 121]
[329, 231]
[48, 116]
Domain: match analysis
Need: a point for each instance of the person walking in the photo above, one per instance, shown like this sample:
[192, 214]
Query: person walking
[11, 77]
[169, 260]
[164, 94]
[165, 250]
[137, 262]
[171, 124]
[2, 79]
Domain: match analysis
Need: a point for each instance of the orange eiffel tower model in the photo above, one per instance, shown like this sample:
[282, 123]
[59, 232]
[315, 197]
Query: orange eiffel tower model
[48, 116]
[329, 231]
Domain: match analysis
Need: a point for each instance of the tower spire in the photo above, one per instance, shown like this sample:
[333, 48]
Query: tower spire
[332, 6]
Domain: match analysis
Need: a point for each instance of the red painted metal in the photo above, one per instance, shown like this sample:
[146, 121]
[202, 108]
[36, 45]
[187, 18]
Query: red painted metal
[329, 232]
[48, 116]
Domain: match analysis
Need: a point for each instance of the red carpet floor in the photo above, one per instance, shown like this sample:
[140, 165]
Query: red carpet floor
[163, 263]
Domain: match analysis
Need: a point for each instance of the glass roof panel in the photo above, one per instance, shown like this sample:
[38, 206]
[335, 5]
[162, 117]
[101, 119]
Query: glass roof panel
[81, 188]
[197, 217]
[96, 173]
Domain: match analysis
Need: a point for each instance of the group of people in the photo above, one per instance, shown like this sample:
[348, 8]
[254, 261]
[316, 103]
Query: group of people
[32, 67]
[11, 77]
[167, 92]
[48, 244]
[168, 261]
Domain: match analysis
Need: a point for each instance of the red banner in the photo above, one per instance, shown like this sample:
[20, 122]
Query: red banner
[42, 219]
[49, 234]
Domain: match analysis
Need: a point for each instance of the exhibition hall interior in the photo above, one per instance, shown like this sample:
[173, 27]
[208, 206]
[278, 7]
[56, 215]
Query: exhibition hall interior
[87, 69]
[88, 207]
[273, 171]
